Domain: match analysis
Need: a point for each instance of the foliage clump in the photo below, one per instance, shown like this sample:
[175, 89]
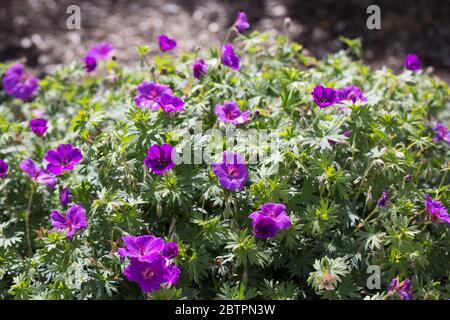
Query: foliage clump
[333, 165]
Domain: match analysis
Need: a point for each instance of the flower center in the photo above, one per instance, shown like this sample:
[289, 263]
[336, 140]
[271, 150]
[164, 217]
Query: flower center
[232, 115]
[232, 170]
[24, 77]
[162, 162]
[147, 274]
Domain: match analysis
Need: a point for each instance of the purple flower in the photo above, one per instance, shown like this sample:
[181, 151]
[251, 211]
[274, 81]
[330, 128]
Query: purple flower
[174, 274]
[18, 83]
[3, 168]
[383, 199]
[269, 219]
[230, 112]
[441, 133]
[100, 51]
[166, 43]
[199, 67]
[159, 158]
[171, 103]
[74, 220]
[64, 158]
[436, 209]
[140, 247]
[412, 62]
[150, 94]
[241, 23]
[231, 171]
[37, 174]
[90, 63]
[352, 93]
[229, 58]
[149, 272]
[64, 196]
[38, 126]
[324, 97]
[403, 288]
[170, 250]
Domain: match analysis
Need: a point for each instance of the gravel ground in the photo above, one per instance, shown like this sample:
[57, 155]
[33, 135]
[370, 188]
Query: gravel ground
[36, 30]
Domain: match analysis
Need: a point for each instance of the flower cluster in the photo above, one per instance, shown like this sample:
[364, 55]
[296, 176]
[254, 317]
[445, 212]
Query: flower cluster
[271, 218]
[402, 288]
[230, 112]
[154, 96]
[37, 174]
[100, 51]
[325, 97]
[18, 83]
[437, 210]
[150, 261]
[74, 220]
[248, 228]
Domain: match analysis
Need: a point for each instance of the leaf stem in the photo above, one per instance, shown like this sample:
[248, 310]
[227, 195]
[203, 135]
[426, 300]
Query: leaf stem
[27, 219]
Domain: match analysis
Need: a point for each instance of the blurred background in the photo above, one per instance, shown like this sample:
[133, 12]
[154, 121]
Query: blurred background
[35, 30]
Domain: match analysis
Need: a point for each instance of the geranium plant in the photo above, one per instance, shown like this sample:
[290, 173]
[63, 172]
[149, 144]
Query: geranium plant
[96, 203]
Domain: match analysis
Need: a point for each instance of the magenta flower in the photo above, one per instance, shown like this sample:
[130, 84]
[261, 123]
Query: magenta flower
[64, 196]
[383, 199]
[38, 126]
[174, 274]
[154, 96]
[141, 246]
[412, 62]
[436, 209]
[324, 97]
[229, 58]
[170, 250]
[241, 23]
[90, 63]
[230, 112]
[149, 272]
[149, 265]
[101, 51]
[18, 83]
[64, 158]
[269, 219]
[199, 67]
[403, 288]
[352, 93]
[160, 158]
[231, 171]
[3, 168]
[74, 220]
[37, 174]
[171, 103]
[441, 132]
[166, 43]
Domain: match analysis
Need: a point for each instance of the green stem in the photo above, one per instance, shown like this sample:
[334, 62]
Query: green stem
[27, 219]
